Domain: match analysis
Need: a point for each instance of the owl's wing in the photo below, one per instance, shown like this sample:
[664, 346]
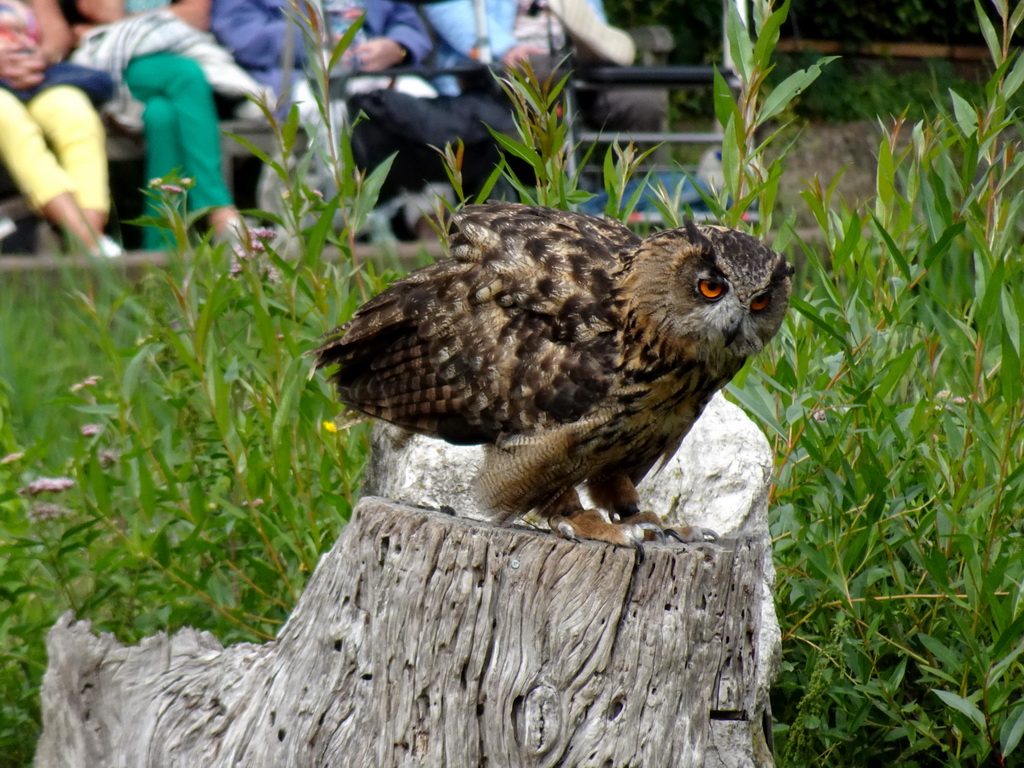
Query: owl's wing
[513, 334]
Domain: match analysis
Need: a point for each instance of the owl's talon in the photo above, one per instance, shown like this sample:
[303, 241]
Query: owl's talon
[640, 554]
[566, 531]
[708, 534]
[658, 533]
[692, 534]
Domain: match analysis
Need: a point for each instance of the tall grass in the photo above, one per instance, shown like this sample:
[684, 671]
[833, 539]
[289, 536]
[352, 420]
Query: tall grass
[205, 477]
[893, 399]
[206, 483]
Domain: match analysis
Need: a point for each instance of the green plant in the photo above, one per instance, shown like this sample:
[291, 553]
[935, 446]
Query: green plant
[205, 484]
[893, 398]
[165, 457]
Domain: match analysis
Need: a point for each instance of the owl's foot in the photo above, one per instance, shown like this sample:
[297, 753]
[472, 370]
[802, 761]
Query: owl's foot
[656, 530]
[591, 524]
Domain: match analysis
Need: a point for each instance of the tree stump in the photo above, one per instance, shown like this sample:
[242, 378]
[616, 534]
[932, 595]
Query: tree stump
[425, 639]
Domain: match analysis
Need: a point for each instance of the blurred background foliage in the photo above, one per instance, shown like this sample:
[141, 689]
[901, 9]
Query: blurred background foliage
[696, 25]
[853, 88]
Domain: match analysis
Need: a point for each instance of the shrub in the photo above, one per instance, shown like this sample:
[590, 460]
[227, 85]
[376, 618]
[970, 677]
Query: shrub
[893, 399]
[169, 461]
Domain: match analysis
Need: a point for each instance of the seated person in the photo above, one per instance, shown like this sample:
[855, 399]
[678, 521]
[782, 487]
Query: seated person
[255, 32]
[392, 35]
[399, 121]
[540, 32]
[51, 138]
[180, 120]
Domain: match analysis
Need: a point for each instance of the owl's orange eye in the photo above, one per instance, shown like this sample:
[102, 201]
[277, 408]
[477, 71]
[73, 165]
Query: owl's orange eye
[711, 289]
[760, 302]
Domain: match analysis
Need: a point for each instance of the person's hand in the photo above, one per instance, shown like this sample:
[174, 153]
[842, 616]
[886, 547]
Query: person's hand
[78, 31]
[21, 64]
[378, 53]
[517, 54]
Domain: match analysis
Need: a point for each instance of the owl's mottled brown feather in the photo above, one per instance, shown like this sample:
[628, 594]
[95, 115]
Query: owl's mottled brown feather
[577, 351]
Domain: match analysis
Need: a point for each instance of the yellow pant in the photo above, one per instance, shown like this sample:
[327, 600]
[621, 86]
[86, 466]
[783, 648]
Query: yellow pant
[54, 144]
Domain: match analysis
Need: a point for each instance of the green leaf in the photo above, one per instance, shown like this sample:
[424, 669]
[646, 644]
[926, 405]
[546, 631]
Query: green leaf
[731, 144]
[790, 88]
[1010, 374]
[810, 312]
[1015, 19]
[1015, 77]
[725, 102]
[290, 129]
[1011, 732]
[941, 246]
[893, 249]
[962, 705]
[740, 48]
[521, 151]
[949, 658]
[133, 371]
[988, 31]
[768, 36]
[966, 115]
[284, 415]
[1011, 320]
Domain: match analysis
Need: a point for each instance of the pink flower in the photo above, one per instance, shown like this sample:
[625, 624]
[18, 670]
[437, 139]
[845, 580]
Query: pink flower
[37, 513]
[89, 382]
[90, 430]
[11, 457]
[47, 485]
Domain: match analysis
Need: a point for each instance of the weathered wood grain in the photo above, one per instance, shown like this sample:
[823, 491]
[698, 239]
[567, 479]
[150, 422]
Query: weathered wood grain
[429, 640]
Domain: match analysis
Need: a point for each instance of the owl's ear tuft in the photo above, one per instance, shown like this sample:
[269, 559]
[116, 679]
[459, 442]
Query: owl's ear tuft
[783, 269]
[699, 240]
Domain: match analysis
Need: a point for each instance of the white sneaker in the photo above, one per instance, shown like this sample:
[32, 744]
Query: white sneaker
[106, 248]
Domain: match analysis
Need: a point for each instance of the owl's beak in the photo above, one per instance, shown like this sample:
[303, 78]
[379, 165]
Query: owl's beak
[731, 330]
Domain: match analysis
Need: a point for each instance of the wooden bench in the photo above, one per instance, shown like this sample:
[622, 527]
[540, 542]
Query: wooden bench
[123, 146]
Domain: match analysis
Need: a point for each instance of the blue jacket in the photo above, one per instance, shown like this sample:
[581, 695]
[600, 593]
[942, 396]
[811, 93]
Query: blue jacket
[254, 31]
[454, 22]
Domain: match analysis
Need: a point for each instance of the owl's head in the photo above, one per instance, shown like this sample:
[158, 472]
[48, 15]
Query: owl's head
[719, 292]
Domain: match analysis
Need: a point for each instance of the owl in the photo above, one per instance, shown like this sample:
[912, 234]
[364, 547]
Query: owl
[575, 352]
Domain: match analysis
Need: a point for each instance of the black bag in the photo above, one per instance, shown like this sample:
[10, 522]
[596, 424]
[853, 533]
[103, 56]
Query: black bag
[97, 85]
[412, 126]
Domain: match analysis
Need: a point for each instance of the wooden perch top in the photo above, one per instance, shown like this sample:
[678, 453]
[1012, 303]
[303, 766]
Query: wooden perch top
[426, 639]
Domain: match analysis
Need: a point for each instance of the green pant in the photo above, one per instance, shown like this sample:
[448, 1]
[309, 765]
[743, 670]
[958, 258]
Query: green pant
[181, 130]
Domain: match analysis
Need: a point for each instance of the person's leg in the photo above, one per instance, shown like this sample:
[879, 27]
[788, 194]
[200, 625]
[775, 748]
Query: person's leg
[36, 171]
[75, 132]
[163, 157]
[181, 83]
[643, 110]
[640, 109]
